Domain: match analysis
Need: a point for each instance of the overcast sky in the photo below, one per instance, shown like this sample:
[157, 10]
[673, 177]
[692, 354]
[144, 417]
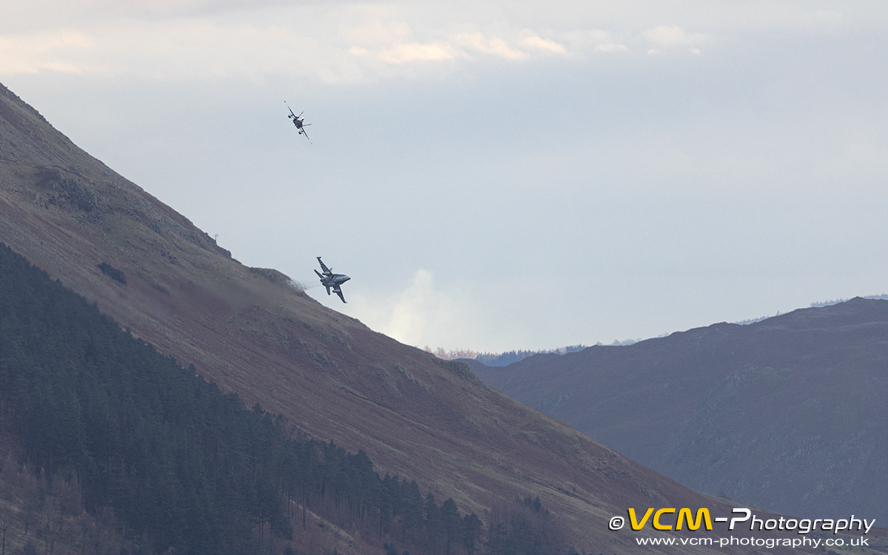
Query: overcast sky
[496, 175]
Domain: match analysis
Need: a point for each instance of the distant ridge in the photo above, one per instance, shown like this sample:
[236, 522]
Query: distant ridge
[787, 413]
[812, 305]
[883, 296]
[498, 359]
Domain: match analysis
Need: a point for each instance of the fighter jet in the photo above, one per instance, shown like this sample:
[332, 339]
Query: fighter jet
[297, 121]
[331, 280]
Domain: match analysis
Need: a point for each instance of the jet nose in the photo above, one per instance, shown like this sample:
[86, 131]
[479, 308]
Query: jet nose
[345, 278]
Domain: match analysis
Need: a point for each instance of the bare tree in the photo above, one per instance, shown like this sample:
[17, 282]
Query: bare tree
[7, 517]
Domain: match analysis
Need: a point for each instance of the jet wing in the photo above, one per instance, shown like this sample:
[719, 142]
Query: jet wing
[339, 292]
[324, 267]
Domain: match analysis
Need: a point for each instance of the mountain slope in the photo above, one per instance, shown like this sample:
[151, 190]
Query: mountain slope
[787, 413]
[251, 332]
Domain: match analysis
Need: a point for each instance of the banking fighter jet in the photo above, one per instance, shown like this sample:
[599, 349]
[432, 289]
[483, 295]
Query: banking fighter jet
[298, 121]
[331, 280]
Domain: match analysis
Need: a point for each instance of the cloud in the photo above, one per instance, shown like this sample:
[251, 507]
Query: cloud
[460, 45]
[612, 47]
[671, 37]
[58, 52]
[421, 314]
[533, 41]
[418, 308]
[594, 40]
[488, 45]
[374, 30]
[416, 52]
[344, 43]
